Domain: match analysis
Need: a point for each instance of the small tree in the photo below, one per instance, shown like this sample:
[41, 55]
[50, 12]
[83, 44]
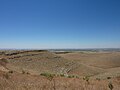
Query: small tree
[110, 86]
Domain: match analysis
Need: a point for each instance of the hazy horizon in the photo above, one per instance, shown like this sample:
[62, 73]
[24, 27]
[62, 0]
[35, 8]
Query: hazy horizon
[59, 24]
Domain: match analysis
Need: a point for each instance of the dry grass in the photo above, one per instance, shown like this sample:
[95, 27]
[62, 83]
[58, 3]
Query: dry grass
[24, 70]
[18, 81]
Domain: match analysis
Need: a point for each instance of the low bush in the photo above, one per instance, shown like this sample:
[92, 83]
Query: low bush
[48, 75]
[6, 75]
[108, 77]
[10, 71]
[98, 79]
[23, 72]
[110, 86]
[86, 79]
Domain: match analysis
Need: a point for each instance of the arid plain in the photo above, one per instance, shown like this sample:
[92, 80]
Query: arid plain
[46, 70]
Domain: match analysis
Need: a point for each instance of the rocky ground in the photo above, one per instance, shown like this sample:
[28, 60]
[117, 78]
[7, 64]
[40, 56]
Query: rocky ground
[44, 70]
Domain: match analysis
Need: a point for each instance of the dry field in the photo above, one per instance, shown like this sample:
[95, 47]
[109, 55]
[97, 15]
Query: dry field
[44, 70]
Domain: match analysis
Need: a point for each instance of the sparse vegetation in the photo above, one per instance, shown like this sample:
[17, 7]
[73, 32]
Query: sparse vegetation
[64, 71]
[98, 79]
[86, 78]
[108, 77]
[72, 76]
[62, 75]
[48, 75]
[27, 73]
[23, 72]
[110, 85]
[6, 75]
[10, 71]
[4, 60]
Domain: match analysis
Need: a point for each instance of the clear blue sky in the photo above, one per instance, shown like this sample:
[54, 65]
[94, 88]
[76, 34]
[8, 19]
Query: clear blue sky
[59, 23]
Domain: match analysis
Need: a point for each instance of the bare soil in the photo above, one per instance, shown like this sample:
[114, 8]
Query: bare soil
[21, 70]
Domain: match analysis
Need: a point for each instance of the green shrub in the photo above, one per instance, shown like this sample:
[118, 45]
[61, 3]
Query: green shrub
[72, 76]
[62, 75]
[86, 78]
[48, 75]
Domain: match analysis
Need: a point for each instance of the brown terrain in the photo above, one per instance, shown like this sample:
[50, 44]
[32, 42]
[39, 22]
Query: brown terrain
[44, 70]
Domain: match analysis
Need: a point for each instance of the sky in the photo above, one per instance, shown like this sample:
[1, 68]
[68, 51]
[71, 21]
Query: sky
[51, 24]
